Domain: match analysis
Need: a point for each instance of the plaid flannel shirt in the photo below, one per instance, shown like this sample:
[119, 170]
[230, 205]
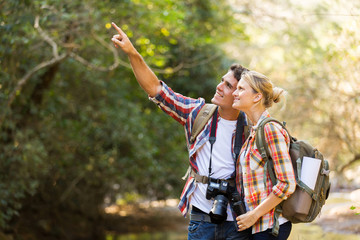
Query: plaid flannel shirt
[257, 183]
[184, 110]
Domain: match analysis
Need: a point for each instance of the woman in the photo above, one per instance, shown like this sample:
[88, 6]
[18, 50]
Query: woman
[254, 95]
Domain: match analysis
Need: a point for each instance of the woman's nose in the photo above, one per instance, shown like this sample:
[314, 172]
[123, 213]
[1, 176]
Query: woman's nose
[235, 93]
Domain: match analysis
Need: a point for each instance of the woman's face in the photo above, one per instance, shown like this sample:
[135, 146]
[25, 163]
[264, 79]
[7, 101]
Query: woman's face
[244, 96]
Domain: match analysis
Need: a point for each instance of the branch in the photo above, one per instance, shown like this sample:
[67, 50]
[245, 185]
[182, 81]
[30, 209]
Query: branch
[331, 14]
[348, 164]
[71, 187]
[42, 65]
[202, 62]
[120, 62]
[28, 75]
[117, 60]
[20, 84]
[98, 68]
[46, 37]
[169, 70]
[116, 63]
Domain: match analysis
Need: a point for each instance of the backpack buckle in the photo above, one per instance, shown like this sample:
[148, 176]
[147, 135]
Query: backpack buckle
[325, 172]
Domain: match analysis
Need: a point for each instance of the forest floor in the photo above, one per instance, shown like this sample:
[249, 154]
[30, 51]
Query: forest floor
[341, 214]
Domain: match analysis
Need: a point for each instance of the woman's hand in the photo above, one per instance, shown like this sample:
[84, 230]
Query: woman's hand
[246, 220]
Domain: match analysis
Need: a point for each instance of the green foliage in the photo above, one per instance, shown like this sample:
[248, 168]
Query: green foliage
[78, 132]
[311, 50]
[353, 208]
[75, 134]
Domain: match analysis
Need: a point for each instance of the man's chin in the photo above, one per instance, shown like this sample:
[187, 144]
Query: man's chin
[213, 101]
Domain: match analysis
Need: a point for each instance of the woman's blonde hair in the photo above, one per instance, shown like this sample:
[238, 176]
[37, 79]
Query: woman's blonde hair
[261, 84]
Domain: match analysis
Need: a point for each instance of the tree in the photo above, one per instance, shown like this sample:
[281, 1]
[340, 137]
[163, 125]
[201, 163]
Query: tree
[75, 127]
[311, 50]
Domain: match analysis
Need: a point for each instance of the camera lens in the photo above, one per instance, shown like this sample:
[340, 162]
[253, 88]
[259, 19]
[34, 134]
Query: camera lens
[218, 212]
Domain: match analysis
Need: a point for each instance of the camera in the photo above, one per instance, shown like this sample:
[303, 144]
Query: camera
[223, 193]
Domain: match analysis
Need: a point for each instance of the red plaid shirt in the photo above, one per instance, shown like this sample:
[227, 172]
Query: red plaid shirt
[184, 110]
[251, 175]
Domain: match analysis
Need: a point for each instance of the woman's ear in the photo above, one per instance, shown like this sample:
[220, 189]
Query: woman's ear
[257, 97]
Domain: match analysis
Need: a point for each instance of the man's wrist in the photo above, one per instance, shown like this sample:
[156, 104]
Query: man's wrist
[133, 53]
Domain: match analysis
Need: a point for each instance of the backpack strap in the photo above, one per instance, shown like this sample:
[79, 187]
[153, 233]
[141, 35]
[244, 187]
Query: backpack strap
[269, 165]
[203, 116]
[240, 131]
[247, 129]
[201, 119]
[260, 137]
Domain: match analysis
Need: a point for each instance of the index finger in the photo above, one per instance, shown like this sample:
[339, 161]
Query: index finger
[117, 28]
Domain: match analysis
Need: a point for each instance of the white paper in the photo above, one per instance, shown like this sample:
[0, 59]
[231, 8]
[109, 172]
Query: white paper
[309, 171]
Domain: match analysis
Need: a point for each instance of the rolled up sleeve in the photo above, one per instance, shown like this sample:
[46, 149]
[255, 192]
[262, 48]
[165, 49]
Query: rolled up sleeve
[174, 104]
[278, 142]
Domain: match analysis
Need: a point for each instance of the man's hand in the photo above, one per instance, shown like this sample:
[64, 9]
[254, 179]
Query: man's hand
[145, 77]
[121, 40]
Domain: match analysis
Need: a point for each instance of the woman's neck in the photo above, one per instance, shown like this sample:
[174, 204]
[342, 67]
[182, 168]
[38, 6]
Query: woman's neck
[255, 114]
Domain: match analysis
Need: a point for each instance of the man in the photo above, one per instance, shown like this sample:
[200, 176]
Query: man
[222, 162]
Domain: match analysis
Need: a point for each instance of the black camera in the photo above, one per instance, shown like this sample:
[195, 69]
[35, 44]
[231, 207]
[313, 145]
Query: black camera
[223, 193]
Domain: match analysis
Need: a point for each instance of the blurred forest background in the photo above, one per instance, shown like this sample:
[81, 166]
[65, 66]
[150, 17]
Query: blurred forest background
[78, 134]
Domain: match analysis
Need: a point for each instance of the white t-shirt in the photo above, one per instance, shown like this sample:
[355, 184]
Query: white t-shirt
[222, 164]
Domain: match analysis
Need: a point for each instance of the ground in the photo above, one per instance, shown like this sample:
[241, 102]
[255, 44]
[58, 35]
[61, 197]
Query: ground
[156, 216]
[340, 215]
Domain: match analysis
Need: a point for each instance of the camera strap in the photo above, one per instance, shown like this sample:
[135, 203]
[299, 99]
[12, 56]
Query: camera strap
[212, 138]
[240, 124]
[240, 127]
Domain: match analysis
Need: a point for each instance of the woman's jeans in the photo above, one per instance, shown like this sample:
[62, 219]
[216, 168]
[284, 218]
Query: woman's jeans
[284, 232]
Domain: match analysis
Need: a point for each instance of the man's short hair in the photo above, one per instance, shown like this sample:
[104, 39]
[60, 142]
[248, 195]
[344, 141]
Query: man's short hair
[237, 69]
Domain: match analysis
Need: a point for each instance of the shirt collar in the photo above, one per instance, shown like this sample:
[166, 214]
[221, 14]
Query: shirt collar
[264, 115]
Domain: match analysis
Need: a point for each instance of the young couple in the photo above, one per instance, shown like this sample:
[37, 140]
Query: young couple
[241, 92]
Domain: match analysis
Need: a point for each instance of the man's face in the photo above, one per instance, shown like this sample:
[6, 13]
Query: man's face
[223, 96]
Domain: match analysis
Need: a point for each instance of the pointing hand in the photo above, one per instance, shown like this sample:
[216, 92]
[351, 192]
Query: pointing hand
[121, 40]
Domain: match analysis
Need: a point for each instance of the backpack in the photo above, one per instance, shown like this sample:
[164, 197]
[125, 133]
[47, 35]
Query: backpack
[203, 117]
[304, 204]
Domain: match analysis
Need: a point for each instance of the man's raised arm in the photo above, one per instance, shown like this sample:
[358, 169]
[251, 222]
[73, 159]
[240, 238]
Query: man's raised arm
[144, 75]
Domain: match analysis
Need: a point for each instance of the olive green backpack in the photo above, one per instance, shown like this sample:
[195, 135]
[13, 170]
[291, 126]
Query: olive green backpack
[203, 117]
[205, 113]
[304, 204]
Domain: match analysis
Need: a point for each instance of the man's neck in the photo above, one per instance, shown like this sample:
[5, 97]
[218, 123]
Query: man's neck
[228, 114]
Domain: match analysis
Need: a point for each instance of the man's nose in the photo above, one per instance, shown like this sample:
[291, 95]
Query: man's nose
[220, 85]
